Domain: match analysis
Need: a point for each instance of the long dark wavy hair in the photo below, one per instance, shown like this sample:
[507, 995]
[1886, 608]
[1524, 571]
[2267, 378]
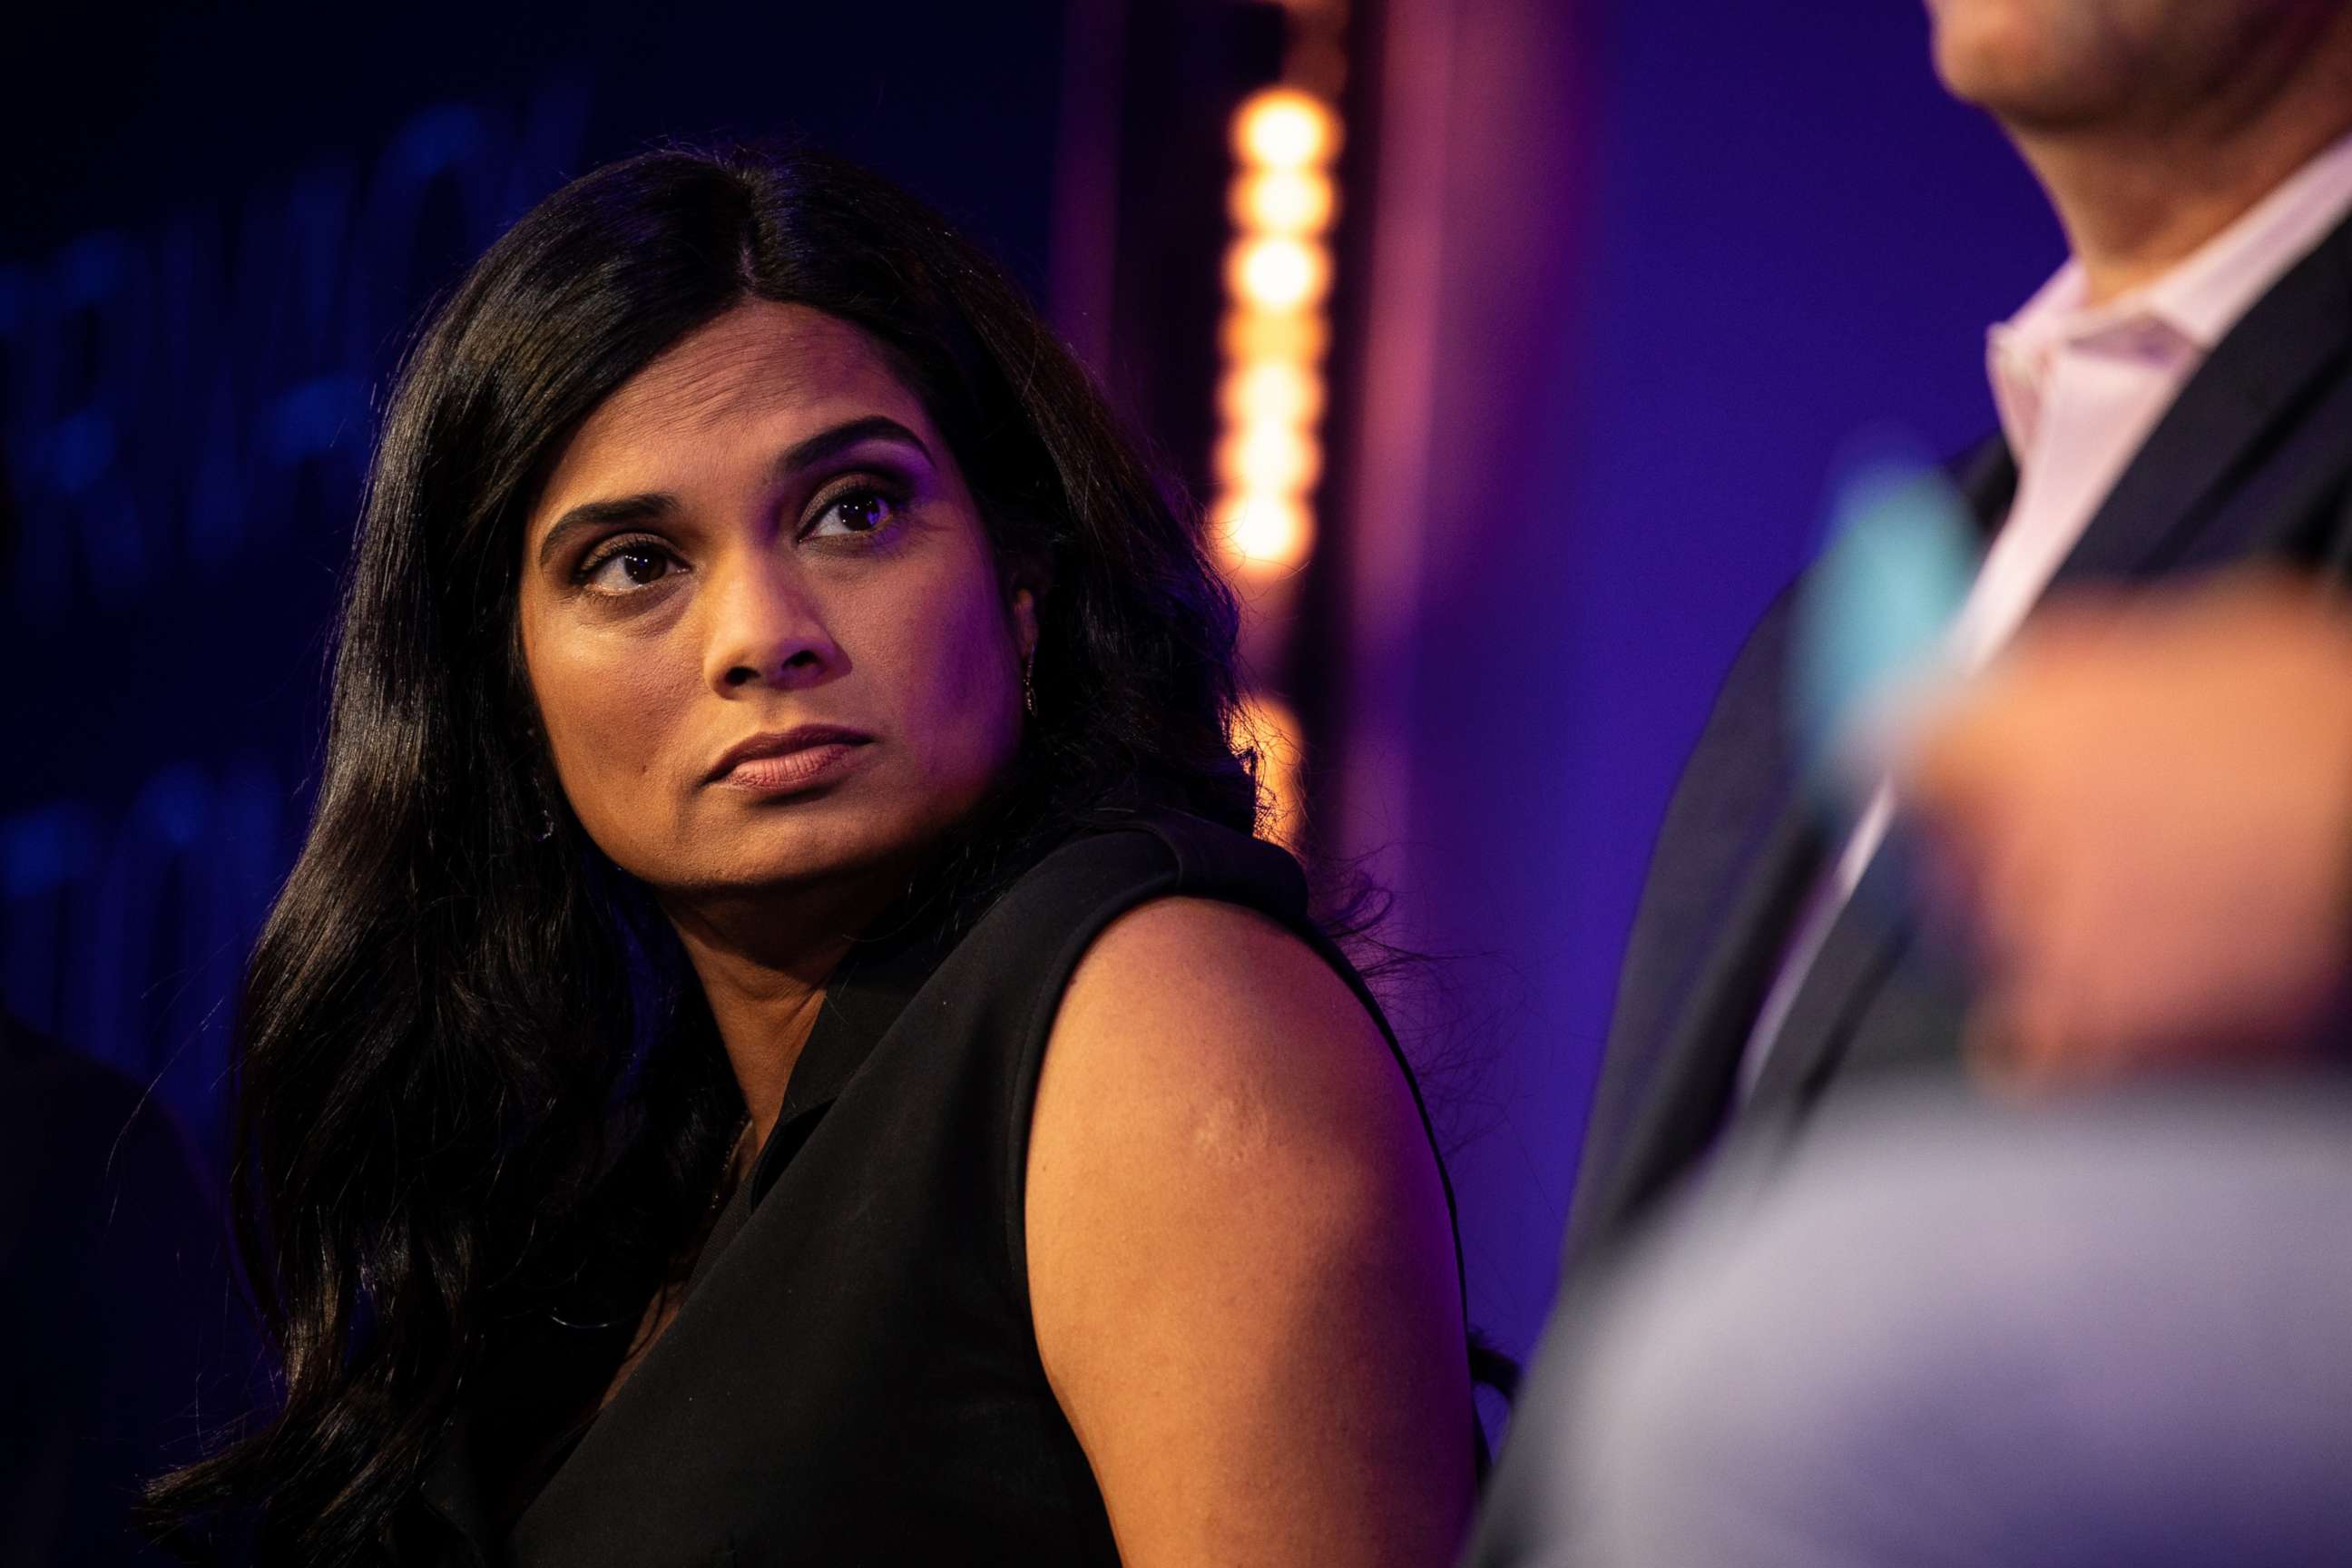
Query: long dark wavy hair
[456, 1027]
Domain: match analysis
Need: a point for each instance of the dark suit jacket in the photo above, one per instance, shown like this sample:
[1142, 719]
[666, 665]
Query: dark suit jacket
[2253, 460]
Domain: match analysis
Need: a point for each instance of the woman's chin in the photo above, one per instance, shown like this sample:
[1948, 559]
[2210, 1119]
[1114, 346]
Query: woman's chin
[789, 858]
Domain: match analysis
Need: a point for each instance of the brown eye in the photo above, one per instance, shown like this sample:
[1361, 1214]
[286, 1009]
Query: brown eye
[632, 566]
[642, 567]
[853, 512]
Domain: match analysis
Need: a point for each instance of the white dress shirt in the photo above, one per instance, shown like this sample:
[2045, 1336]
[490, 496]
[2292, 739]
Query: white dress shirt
[2079, 389]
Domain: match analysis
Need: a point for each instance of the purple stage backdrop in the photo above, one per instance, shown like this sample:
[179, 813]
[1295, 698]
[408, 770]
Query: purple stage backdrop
[1667, 259]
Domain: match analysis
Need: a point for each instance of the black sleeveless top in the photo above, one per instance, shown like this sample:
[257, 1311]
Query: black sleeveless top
[852, 1377]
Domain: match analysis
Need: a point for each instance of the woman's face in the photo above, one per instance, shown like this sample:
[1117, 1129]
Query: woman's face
[762, 617]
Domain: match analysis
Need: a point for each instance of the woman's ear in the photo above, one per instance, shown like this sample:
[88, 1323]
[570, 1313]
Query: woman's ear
[1024, 620]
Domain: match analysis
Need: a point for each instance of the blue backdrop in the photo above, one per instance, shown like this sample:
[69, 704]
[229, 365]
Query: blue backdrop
[210, 267]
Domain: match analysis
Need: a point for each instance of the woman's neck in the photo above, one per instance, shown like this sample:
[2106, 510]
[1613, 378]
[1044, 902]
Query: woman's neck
[763, 964]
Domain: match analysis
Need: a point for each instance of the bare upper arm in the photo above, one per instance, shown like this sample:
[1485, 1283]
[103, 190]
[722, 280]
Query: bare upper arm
[1240, 1263]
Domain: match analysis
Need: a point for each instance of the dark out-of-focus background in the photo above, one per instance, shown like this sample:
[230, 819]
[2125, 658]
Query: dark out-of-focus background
[1614, 281]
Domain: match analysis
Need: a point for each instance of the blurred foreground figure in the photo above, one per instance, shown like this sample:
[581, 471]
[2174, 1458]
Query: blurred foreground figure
[2147, 808]
[2124, 845]
[2109, 1331]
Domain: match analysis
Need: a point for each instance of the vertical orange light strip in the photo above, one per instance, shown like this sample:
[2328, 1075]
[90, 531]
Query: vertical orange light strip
[1277, 329]
[1271, 395]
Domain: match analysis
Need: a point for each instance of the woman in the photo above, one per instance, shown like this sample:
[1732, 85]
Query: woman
[779, 1046]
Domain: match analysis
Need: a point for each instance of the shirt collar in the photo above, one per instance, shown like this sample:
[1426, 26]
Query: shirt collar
[2198, 302]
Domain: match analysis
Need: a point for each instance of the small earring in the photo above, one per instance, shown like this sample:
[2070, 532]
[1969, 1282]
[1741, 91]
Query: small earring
[546, 826]
[1029, 683]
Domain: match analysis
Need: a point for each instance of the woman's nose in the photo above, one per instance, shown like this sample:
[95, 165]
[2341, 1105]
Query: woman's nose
[767, 630]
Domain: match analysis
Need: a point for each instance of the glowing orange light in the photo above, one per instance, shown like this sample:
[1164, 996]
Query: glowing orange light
[1264, 725]
[1270, 400]
[1271, 388]
[1264, 535]
[1283, 128]
[1284, 201]
[1253, 336]
[1279, 272]
[1268, 458]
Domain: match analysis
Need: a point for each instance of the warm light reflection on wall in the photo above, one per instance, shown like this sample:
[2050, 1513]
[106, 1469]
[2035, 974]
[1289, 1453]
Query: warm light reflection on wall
[1266, 725]
[1277, 276]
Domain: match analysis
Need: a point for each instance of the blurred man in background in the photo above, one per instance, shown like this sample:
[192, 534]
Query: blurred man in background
[2082, 1330]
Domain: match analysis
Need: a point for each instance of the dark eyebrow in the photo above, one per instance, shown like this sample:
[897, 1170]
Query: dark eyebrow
[655, 505]
[651, 508]
[841, 437]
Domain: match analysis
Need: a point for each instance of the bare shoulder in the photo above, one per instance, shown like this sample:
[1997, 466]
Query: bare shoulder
[1233, 1216]
[1196, 1005]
